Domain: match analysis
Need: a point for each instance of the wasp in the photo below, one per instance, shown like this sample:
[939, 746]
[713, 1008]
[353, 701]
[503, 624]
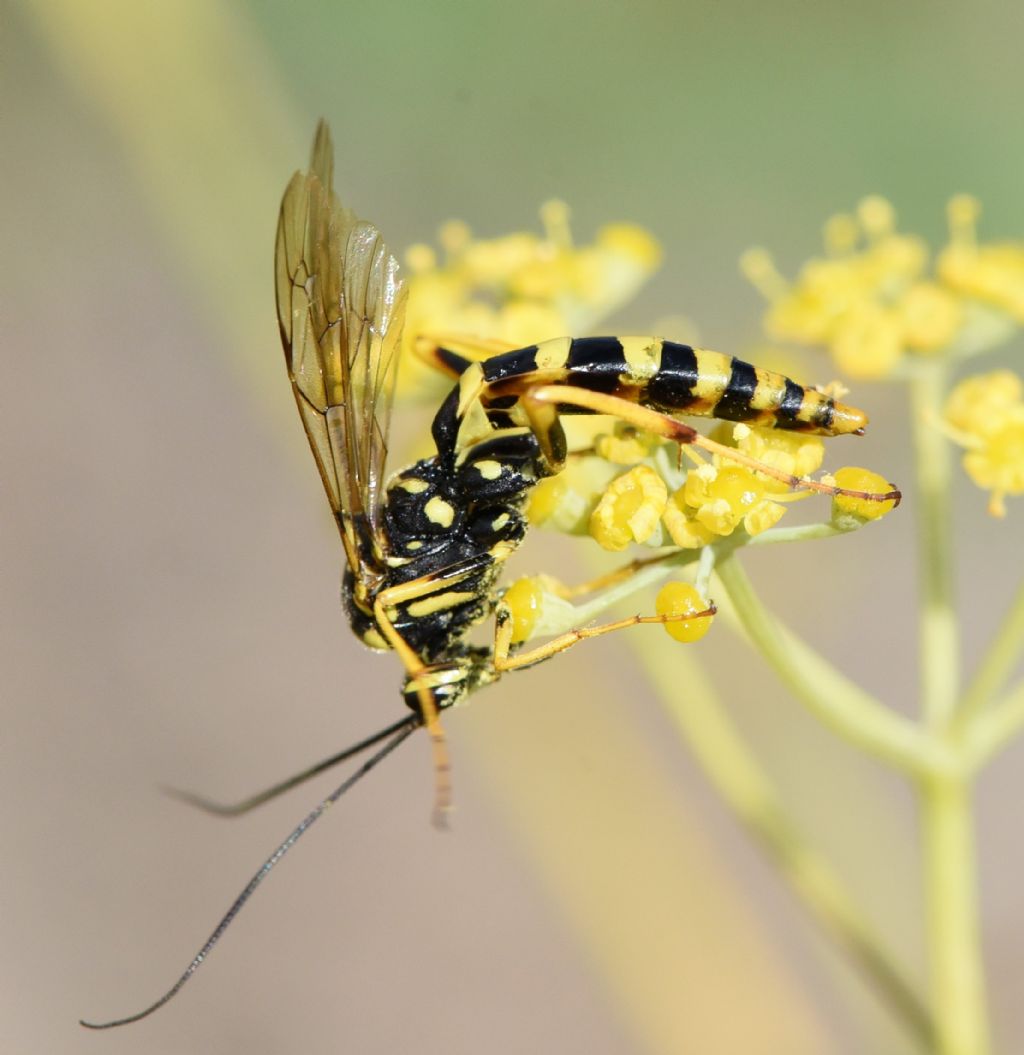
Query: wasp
[424, 548]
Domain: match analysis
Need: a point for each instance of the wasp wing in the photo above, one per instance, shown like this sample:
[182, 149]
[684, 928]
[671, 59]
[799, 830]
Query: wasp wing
[340, 305]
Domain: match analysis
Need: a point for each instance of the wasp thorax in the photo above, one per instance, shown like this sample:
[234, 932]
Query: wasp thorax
[419, 504]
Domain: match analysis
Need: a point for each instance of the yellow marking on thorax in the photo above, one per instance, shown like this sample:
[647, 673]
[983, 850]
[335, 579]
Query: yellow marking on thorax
[414, 485]
[643, 357]
[488, 468]
[439, 512]
[553, 354]
[438, 602]
[499, 522]
[374, 639]
[713, 372]
[415, 544]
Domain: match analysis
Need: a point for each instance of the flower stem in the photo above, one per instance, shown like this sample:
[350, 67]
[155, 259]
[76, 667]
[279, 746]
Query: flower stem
[957, 974]
[998, 663]
[939, 643]
[996, 727]
[955, 961]
[734, 772]
[843, 706]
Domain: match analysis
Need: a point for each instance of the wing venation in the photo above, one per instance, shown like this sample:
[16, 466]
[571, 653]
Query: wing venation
[340, 305]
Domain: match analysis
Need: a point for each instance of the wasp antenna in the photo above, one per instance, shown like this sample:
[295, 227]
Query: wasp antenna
[236, 809]
[407, 727]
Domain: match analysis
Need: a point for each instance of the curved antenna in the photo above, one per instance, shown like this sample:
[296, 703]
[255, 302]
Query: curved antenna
[408, 726]
[236, 809]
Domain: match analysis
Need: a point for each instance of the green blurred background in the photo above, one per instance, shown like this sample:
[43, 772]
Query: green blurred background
[170, 575]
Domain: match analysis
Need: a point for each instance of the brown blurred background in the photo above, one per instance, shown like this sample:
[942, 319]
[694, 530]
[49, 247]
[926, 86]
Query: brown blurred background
[170, 576]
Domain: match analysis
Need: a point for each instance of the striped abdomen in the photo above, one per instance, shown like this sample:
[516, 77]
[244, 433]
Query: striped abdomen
[669, 377]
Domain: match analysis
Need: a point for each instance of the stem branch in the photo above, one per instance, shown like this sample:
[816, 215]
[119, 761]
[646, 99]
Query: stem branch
[957, 975]
[997, 664]
[734, 772]
[836, 701]
[939, 634]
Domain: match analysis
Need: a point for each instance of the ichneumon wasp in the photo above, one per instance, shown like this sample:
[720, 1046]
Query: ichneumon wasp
[424, 549]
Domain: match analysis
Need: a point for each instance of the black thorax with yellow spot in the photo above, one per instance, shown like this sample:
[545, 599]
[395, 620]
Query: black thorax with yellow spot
[455, 517]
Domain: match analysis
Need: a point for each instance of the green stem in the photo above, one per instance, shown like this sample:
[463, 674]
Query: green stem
[939, 643]
[732, 769]
[957, 975]
[840, 704]
[996, 666]
[996, 727]
[800, 533]
[955, 961]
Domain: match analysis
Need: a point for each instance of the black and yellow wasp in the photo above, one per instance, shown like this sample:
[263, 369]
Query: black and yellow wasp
[425, 547]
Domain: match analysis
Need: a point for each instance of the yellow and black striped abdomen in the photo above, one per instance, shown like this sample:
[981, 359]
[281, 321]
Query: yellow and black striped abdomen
[673, 378]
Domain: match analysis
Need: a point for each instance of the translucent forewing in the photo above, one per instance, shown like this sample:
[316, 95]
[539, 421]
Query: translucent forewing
[340, 305]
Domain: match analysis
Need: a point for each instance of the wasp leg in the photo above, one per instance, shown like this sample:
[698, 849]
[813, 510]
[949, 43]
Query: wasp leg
[428, 589]
[602, 582]
[541, 403]
[415, 668]
[504, 660]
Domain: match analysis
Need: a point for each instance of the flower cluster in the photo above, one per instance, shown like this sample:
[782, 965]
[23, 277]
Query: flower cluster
[877, 298]
[621, 486]
[659, 502]
[985, 414]
[520, 288]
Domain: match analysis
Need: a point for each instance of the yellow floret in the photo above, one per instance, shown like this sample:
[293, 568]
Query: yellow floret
[624, 446]
[793, 453]
[856, 479]
[630, 510]
[523, 600]
[682, 599]
[684, 531]
[978, 404]
[998, 465]
[930, 316]
[868, 341]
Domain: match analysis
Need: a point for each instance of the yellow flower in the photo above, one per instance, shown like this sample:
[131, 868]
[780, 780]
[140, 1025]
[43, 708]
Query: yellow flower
[872, 301]
[979, 403]
[855, 479]
[677, 599]
[519, 288]
[998, 465]
[566, 502]
[992, 273]
[624, 446]
[793, 453]
[630, 510]
[985, 414]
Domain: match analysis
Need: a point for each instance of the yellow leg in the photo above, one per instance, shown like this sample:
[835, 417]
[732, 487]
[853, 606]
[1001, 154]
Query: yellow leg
[418, 671]
[415, 667]
[602, 582]
[541, 400]
[505, 661]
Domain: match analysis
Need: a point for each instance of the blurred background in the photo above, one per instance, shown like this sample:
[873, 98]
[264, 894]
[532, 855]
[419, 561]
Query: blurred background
[170, 572]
